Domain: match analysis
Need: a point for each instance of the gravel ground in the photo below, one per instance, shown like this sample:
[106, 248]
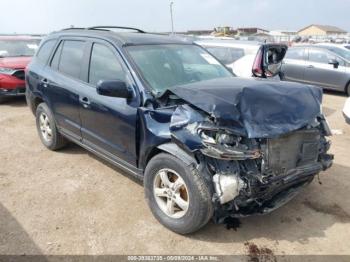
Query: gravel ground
[71, 202]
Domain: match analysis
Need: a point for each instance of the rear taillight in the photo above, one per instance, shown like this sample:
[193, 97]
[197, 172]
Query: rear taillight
[257, 69]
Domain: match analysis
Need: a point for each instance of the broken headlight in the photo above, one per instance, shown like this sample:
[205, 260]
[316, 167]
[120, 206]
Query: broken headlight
[214, 137]
[221, 144]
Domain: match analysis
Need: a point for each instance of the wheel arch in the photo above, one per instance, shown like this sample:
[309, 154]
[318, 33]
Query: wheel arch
[33, 102]
[178, 152]
[172, 149]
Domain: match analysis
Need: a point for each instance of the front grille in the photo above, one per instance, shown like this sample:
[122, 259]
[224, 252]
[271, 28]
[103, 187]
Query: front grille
[294, 150]
[19, 74]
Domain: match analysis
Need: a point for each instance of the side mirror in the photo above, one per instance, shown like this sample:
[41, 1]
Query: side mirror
[113, 88]
[333, 62]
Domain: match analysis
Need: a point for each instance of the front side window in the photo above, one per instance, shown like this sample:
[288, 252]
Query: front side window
[104, 65]
[167, 66]
[319, 56]
[340, 52]
[227, 55]
[296, 53]
[71, 58]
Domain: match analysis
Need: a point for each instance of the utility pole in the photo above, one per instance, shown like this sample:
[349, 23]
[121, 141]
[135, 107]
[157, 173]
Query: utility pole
[171, 16]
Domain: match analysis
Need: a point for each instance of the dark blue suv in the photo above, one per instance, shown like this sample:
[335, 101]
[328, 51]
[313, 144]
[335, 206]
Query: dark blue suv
[206, 143]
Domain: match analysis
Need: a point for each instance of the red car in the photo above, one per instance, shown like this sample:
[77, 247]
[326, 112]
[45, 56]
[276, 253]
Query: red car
[15, 54]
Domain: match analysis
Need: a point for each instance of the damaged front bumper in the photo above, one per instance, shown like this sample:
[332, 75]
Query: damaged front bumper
[259, 142]
[254, 175]
[271, 177]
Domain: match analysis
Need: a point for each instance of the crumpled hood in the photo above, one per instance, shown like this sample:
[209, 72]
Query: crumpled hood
[256, 108]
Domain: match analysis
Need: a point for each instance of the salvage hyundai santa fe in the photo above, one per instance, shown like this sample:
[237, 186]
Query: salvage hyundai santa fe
[207, 144]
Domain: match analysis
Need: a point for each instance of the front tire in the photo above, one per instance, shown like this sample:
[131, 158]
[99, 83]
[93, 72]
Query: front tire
[47, 128]
[179, 198]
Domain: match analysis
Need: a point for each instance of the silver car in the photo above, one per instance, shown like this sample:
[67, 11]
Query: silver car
[318, 65]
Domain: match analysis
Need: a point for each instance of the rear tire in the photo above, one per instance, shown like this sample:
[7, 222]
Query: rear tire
[47, 129]
[195, 207]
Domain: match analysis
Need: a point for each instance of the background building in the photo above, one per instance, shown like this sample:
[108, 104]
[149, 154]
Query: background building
[251, 31]
[321, 30]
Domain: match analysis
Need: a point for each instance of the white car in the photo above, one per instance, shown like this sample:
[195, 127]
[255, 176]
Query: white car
[242, 56]
[346, 111]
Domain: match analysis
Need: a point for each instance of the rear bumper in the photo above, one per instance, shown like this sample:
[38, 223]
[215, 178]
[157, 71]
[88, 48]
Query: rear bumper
[19, 91]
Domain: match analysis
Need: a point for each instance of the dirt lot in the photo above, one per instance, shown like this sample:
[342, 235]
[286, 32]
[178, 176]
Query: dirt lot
[70, 202]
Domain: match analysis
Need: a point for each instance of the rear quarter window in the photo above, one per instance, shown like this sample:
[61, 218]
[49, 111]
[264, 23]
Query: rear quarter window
[45, 50]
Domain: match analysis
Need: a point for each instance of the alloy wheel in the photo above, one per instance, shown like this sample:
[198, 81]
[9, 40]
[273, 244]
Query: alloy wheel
[45, 127]
[171, 193]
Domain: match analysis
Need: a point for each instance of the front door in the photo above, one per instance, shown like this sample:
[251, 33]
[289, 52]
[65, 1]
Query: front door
[320, 72]
[108, 123]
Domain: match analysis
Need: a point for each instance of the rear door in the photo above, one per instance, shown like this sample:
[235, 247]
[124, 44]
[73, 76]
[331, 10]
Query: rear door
[320, 72]
[63, 83]
[294, 65]
[108, 123]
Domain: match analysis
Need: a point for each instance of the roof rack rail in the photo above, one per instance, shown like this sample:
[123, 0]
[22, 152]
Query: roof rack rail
[117, 27]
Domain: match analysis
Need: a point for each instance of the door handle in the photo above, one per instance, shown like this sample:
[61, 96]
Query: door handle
[310, 66]
[44, 82]
[84, 101]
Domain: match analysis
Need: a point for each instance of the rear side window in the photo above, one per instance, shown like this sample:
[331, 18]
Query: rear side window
[226, 55]
[104, 65]
[71, 57]
[45, 50]
[296, 53]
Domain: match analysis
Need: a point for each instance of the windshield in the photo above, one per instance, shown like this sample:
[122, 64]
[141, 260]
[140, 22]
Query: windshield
[340, 51]
[167, 66]
[13, 48]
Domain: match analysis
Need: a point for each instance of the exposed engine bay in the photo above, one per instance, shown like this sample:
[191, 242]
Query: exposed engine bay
[258, 176]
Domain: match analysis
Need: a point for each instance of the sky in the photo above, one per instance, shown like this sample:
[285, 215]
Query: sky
[44, 16]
